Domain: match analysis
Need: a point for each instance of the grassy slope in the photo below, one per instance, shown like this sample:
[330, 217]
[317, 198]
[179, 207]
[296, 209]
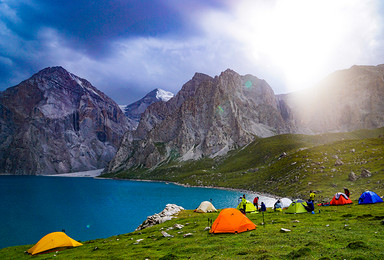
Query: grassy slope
[344, 232]
[309, 164]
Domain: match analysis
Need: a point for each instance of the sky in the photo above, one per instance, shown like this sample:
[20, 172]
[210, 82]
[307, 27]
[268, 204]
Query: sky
[128, 48]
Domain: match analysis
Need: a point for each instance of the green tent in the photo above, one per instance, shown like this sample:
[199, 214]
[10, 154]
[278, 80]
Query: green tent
[297, 206]
[249, 207]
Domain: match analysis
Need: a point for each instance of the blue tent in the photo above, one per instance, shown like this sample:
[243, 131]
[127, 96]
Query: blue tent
[369, 197]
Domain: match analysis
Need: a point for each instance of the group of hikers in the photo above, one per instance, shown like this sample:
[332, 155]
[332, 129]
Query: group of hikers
[243, 203]
[310, 206]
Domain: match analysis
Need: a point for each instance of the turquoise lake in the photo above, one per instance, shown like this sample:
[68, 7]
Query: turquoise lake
[88, 208]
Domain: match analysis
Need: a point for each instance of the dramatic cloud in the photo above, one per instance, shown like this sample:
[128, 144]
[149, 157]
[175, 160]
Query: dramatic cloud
[128, 48]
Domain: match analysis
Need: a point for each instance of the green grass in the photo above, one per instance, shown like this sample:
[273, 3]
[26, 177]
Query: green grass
[343, 232]
[309, 164]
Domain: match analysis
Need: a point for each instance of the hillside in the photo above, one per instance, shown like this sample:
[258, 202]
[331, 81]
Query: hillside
[286, 165]
[344, 232]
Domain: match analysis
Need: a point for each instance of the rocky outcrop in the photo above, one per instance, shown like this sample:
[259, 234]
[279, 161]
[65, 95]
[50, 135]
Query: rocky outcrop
[56, 122]
[365, 173]
[133, 111]
[352, 176]
[208, 117]
[166, 214]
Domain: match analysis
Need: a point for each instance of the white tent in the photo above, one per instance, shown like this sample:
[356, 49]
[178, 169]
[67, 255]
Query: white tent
[205, 207]
[285, 202]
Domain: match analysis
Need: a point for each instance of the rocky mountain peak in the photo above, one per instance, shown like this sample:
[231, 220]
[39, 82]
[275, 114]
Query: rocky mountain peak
[56, 122]
[208, 117]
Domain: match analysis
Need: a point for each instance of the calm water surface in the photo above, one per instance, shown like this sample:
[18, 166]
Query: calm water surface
[87, 208]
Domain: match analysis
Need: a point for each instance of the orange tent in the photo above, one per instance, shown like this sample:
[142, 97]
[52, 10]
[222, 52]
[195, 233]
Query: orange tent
[231, 221]
[53, 240]
[340, 199]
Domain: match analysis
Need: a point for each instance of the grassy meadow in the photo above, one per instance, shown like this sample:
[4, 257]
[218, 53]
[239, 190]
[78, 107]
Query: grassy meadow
[337, 232]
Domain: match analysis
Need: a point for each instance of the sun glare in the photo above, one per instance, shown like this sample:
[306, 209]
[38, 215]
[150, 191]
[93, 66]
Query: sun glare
[302, 38]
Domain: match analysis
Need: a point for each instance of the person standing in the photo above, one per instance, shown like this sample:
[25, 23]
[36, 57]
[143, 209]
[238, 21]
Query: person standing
[312, 196]
[346, 192]
[263, 207]
[244, 203]
[256, 202]
[239, 200]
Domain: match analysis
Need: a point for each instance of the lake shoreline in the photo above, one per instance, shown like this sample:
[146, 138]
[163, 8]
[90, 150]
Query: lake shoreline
[96, 174]
[268, 195]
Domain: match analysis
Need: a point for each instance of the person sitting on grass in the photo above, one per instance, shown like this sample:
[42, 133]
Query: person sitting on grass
[277, 206]
[310, 206]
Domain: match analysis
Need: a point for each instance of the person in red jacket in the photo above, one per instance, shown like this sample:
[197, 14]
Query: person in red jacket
[256, 202]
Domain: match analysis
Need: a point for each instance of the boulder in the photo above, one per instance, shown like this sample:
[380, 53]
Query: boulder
[365, 173]
[352, 176]
[178, 226]
[166, 214]
[165, 234]
[339, 162]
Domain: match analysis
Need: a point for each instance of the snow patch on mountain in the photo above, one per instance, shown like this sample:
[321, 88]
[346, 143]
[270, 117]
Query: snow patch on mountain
[134, 110]
[164, 95]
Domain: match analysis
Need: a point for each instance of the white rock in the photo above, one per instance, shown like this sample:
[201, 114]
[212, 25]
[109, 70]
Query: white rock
[165, 234]
[166, 214]
[178, 226]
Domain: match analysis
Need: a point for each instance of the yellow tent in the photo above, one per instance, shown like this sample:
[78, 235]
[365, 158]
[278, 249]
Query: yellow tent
[249, 207]
[53, 241]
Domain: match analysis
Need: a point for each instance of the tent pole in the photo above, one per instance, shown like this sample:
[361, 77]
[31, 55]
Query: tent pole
[263, 220]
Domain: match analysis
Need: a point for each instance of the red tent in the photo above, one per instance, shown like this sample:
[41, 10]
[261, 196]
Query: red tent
[340, 199]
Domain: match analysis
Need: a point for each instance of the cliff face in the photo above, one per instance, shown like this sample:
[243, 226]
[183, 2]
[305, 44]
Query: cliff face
[346, 100]
[56, 122]
[208, 117]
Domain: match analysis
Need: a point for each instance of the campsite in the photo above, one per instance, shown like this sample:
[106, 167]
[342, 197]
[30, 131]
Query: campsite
[334, 232]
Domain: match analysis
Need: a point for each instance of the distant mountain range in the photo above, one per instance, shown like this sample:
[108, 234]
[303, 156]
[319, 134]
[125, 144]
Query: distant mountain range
[56, 122]
[211, 116]
[133, 111]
